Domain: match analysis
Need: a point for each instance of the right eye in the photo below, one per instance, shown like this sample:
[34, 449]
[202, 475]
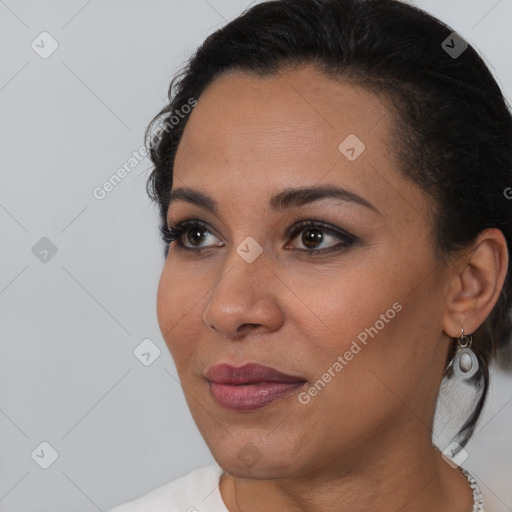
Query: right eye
[190, 231]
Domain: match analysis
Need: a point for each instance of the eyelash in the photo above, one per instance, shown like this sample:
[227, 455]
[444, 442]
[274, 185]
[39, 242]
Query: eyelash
[174, 232]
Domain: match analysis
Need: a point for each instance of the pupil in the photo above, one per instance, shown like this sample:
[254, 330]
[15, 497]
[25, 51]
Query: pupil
[311, 236]
[195, 235]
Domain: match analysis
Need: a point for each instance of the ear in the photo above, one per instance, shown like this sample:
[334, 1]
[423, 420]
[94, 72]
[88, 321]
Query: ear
[476, 283]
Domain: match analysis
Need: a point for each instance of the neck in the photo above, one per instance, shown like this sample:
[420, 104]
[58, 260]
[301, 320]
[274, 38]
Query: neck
[403, 477]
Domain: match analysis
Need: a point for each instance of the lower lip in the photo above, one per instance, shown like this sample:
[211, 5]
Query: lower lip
[252, 396]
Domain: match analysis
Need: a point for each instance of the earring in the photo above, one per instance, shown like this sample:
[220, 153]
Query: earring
[465, 362]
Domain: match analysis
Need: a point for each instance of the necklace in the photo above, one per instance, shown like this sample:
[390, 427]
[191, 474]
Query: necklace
[478, 500]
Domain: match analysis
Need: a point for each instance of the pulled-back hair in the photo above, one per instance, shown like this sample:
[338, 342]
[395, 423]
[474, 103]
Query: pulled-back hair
[452, 126]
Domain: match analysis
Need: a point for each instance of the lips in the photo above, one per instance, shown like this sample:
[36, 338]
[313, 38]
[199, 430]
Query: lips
[247, 374]
[250, 387]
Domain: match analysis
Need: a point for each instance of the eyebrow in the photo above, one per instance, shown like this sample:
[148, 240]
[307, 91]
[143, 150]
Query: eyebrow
[287, 198]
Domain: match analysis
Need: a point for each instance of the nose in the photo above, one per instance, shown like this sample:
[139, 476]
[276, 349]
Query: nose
[245, 298]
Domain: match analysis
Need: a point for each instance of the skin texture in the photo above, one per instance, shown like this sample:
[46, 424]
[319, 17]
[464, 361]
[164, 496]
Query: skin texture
[363, 443]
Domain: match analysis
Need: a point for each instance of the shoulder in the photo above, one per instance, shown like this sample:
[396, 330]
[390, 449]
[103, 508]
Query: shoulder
[191, 492]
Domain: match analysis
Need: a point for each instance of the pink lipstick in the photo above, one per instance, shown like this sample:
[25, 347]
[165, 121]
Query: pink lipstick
[251, 386]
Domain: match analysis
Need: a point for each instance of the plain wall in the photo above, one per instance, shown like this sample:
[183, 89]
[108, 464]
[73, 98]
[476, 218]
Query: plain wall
[69, 325]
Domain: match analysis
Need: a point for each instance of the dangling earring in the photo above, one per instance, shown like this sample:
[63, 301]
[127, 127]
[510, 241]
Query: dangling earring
[465, 363]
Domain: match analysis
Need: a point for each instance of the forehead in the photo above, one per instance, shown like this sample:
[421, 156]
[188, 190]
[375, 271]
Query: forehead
[250, 136]
[298, 110]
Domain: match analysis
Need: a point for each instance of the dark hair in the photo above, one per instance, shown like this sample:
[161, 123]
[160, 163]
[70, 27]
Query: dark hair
[453, 126]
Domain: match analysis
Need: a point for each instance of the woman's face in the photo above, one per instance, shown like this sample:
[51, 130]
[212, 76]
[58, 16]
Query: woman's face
[353, 309]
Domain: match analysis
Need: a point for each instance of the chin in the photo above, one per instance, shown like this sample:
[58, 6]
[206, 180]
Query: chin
[259, 460]
[262, 470]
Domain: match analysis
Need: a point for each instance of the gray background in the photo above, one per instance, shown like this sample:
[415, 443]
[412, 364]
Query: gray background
[69, 325]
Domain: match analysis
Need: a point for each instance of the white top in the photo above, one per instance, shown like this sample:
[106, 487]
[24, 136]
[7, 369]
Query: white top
[197, 491]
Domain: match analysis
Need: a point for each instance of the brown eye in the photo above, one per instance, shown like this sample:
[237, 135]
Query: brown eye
[311, 237]
[190, 235]
[317, 237]
[195, 235]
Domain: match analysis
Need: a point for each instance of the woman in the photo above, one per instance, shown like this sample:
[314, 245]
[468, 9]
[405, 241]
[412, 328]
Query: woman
[331, 177]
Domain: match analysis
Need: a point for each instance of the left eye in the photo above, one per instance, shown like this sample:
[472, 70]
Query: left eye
[313, 235]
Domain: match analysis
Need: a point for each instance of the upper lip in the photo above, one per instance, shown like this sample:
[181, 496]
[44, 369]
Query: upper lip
[248, 373]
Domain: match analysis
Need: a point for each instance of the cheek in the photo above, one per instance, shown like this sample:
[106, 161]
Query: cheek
[371, 313]
[343, 301]
[164, 302]
[176, 304]
[388, 348]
